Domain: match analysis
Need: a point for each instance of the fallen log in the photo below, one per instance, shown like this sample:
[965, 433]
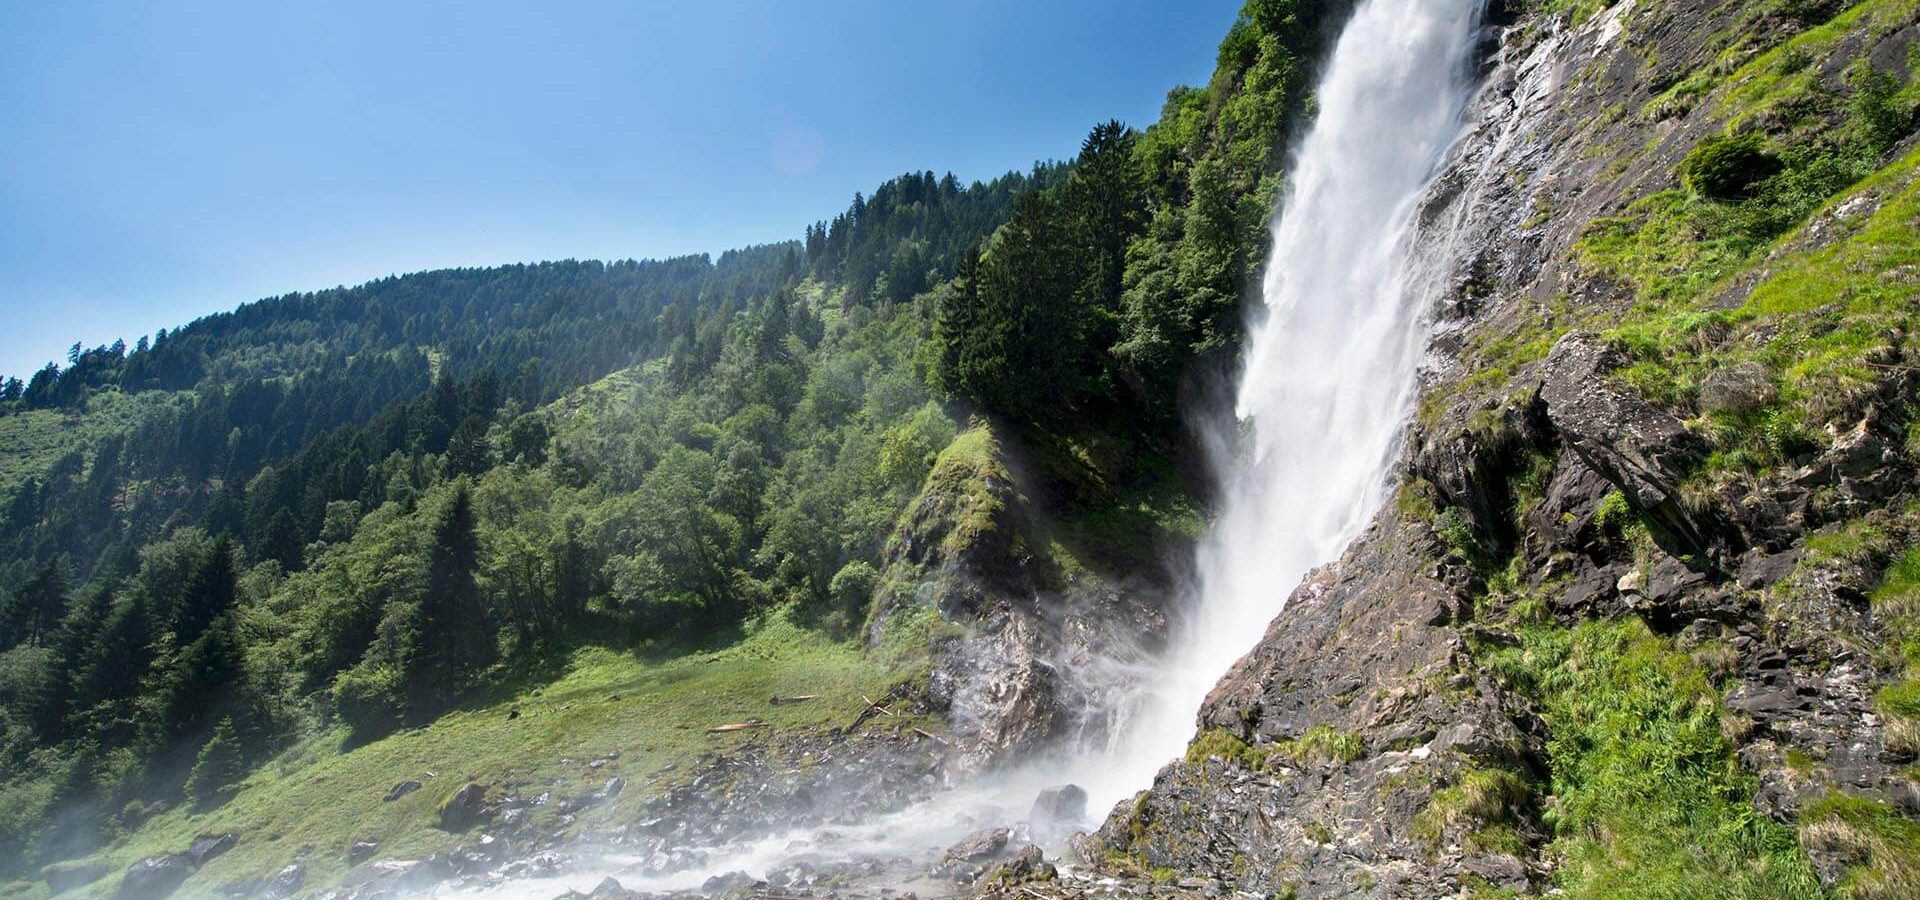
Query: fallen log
[778, 700]
[928, 734]
[737, 726]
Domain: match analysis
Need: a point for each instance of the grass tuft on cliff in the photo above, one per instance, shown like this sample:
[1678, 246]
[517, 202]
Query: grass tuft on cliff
[1648, 798]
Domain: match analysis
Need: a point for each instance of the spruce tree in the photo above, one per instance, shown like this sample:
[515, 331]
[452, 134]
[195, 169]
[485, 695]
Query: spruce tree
[207, 595]
[455, 638]
[32, 613]
[220, 765]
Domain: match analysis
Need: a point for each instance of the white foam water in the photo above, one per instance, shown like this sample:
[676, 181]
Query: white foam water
[1331, 368]
[1329, 382]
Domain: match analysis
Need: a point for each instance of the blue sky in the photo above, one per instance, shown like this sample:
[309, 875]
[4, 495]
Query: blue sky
[163, 160]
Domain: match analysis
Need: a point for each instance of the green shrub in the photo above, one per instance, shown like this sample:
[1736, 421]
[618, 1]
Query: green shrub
[1728, 167]
[1322, 742]
[1218, 742]
[370, 698]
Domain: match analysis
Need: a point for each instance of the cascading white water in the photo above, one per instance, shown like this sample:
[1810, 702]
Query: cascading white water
[1329, 381]
[1331, 368]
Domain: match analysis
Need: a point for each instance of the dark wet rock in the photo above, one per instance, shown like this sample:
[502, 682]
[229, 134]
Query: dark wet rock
[207, 846]
[1861, 466]
[401, 790]
[1064, 804]
[154, 877]
[610, 889]
[285, 883]
[465, 809]
[1349, 654]
[731, 881]
[1384, 645]
[1024, 863]
[1672, 578]
[65, 876]
[796, 874]
[361, 851]
[1759, 569]
[1467, 458]
[983, 844]
[975, 856]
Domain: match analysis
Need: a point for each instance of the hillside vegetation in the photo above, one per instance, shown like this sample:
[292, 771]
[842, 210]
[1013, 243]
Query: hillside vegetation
[311, 544]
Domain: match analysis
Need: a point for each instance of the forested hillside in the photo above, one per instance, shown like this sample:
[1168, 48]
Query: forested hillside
[361, 508]
[267, 519]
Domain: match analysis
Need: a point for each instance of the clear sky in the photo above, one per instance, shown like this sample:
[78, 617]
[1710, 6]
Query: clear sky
[163, 160]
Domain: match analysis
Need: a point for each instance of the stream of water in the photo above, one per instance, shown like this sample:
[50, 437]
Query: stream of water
[1332, 357]
[1328, 385]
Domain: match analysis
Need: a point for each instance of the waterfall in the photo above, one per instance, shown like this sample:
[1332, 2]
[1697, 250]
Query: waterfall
[1331, 366]
[1329, 381]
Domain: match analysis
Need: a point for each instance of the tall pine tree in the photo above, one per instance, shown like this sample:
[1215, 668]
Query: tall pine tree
[454, 637]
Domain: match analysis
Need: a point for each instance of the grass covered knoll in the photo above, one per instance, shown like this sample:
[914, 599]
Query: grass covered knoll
[324, 793]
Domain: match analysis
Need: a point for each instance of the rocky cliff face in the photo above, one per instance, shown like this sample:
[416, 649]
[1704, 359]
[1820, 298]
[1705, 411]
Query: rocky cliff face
[1646, 568]
[1031, 633]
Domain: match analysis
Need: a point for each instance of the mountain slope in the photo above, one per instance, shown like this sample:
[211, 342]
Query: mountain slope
[1638, 624]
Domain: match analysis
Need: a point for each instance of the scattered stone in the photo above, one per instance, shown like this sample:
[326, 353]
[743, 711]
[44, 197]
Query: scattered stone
[609, 889]
[1759, 570]
[361, 851]
[720, 884]
[1058, 807]
[401, 790]
[465, 809]
[65, 876]
[285, 883]
[154, 877]
[982, 844]
[398, 875]
[208, 846]
[1026, 863]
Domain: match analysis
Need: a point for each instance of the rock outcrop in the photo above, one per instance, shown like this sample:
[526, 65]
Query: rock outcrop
[1642, 451]
[1036, 643]
[154, 877]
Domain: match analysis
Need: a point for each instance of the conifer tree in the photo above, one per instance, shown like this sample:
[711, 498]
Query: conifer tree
[34, 610]
[454, 637]
[220, 765]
